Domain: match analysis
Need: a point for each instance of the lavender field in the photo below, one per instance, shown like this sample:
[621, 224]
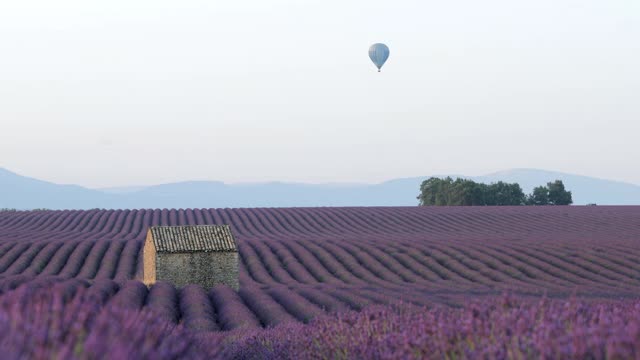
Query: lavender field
[300, 264]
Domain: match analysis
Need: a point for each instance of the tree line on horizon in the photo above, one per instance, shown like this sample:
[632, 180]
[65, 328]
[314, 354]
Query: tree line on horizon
[463, 192]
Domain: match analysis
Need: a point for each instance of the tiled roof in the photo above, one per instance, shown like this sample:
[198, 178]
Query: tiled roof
[193, 238]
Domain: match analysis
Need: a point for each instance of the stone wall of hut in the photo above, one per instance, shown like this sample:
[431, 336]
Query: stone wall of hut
[149, 262]
[206, 269]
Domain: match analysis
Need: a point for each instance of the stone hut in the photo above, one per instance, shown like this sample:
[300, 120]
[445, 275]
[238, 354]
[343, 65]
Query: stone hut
[197, 254]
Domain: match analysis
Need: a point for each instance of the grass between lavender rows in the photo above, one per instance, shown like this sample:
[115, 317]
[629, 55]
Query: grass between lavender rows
[67, 323]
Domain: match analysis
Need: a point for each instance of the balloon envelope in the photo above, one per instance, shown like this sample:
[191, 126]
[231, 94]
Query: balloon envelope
[379, 53]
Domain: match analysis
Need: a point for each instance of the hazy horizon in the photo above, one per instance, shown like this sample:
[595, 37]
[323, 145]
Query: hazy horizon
[131, 93]
[490, 175]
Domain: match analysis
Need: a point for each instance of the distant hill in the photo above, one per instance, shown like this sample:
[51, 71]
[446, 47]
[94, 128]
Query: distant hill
[22, 192]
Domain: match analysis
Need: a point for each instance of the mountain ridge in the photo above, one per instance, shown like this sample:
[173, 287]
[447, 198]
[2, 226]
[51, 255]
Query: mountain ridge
[22, 192]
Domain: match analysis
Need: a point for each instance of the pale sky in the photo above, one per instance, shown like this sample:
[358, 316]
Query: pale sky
[138, 92]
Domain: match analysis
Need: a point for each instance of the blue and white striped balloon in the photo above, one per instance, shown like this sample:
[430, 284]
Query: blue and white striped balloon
[379, 53]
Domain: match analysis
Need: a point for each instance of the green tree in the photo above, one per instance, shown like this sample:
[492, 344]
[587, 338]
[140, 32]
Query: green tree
[448, 192]
[431, 191]
[539, 196]
[558, 195]
[463, 192]
[502, 193]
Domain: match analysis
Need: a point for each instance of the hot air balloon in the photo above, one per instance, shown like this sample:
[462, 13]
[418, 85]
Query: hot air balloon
[379, 53]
